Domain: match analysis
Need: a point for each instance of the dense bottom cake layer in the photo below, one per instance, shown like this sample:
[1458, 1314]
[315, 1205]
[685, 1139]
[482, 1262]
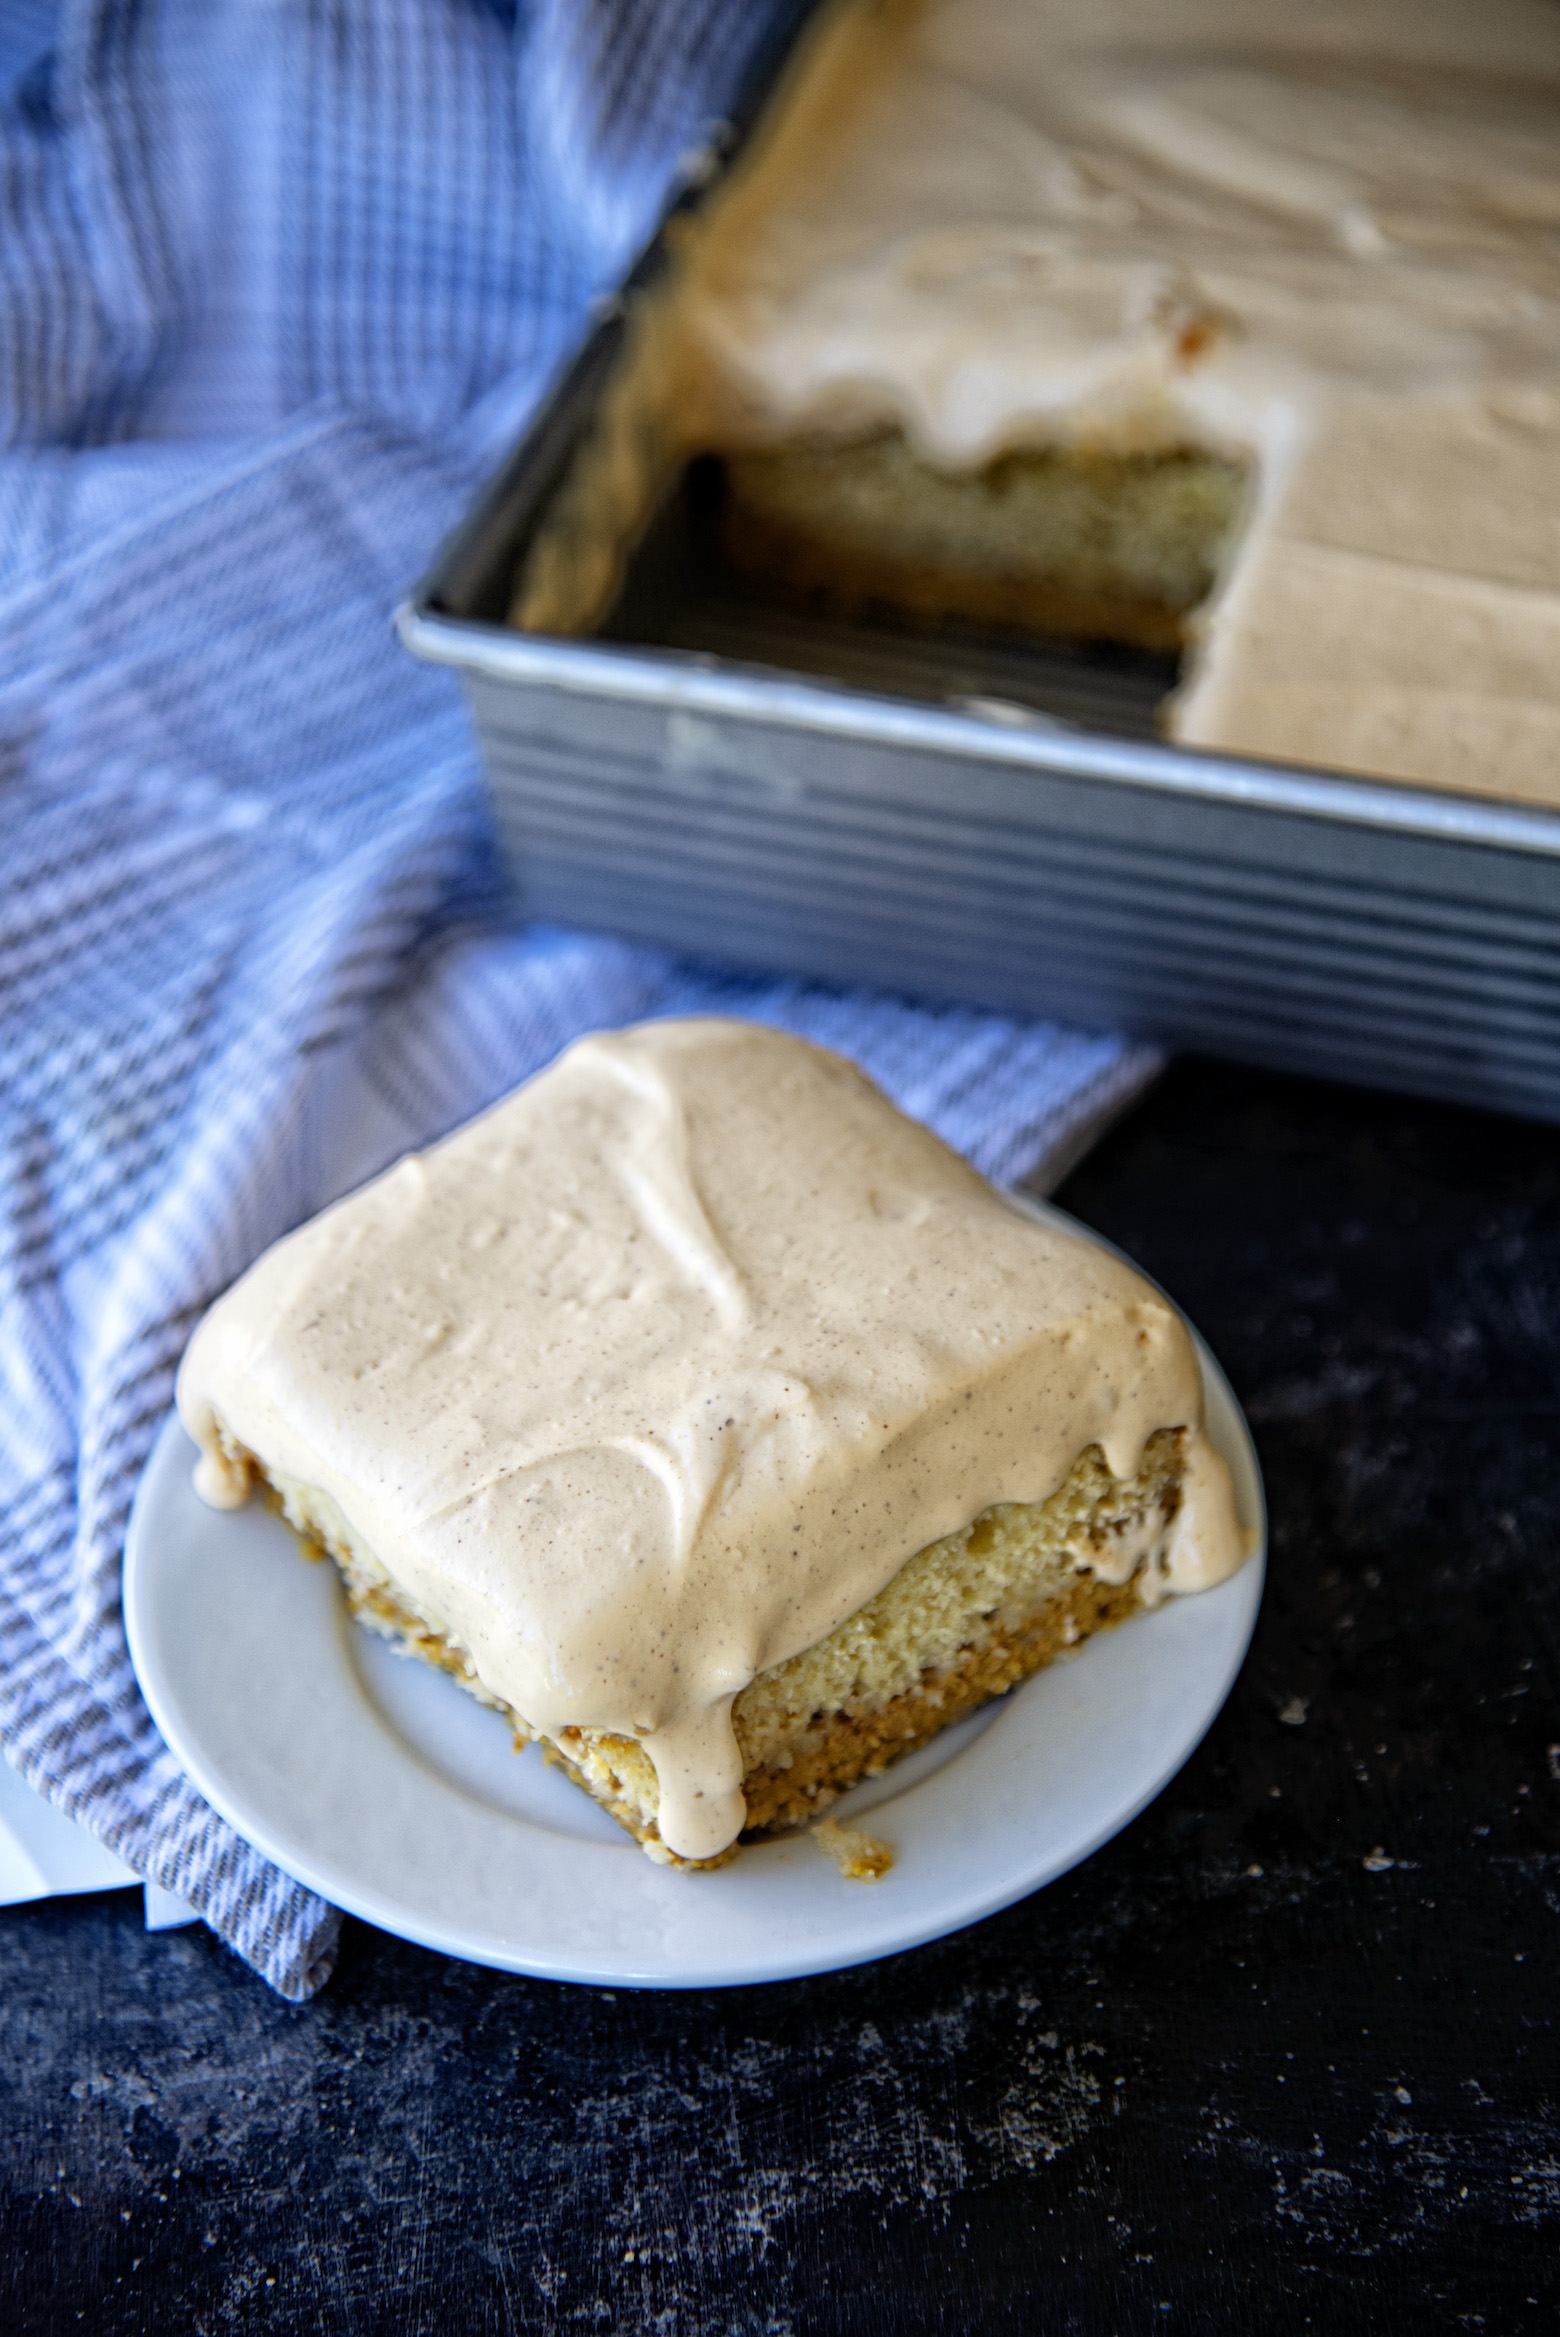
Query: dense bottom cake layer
[1049, 540]
[962, 1621]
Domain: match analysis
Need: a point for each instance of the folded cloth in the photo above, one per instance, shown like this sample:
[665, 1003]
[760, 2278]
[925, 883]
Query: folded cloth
[276, 285]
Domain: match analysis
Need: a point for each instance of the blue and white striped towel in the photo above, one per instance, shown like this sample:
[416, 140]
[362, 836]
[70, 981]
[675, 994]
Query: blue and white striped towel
[278, 280]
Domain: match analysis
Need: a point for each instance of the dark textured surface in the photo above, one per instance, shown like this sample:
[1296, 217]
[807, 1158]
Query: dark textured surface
[1283, 2056]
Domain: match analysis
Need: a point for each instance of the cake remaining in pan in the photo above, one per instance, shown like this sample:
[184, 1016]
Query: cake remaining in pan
[1115, 547]
[998, 279]
[715, 1422]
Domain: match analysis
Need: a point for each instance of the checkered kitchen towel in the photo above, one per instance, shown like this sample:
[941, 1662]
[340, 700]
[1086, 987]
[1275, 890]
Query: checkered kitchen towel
[278, 280]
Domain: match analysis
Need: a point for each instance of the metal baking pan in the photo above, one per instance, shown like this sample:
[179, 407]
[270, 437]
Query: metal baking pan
[968, 818]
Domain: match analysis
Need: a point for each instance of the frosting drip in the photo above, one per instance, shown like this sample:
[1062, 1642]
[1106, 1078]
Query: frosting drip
[647, 1379]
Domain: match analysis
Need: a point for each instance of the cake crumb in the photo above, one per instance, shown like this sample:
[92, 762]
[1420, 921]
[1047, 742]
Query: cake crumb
[861, 1858]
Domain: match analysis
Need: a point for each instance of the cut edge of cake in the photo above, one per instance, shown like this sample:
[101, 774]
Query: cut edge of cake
[1050, 540]
[962, 1621]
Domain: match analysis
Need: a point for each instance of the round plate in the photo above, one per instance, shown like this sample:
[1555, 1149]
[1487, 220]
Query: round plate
[381, 1785]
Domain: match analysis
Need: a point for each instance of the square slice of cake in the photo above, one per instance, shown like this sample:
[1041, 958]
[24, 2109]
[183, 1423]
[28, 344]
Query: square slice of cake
[716, 1422]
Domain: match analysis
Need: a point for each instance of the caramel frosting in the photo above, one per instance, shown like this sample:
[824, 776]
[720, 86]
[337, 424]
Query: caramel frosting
[646, 1380]
[1322, 240]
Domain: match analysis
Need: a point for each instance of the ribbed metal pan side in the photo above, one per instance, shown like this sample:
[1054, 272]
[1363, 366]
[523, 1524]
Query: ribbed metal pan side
[1401, 960]
[1448, 981]
[907, 794]
[1032, 836]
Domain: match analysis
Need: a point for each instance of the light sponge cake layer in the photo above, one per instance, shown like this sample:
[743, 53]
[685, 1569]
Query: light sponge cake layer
[1066, 540]
[962, 1621]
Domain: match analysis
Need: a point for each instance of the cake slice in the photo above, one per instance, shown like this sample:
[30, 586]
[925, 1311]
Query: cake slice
[716, 1423]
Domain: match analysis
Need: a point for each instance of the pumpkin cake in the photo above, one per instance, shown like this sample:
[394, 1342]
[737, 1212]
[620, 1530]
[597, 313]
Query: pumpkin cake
[716, 1423]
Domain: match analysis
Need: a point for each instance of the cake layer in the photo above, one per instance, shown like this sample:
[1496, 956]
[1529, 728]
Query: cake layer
[962, 1621]
[1118, 547]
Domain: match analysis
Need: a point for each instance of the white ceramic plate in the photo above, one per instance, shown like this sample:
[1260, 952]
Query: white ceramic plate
[381, 1785]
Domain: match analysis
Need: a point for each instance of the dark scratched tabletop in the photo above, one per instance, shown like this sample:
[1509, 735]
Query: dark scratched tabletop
[1282, 2056]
